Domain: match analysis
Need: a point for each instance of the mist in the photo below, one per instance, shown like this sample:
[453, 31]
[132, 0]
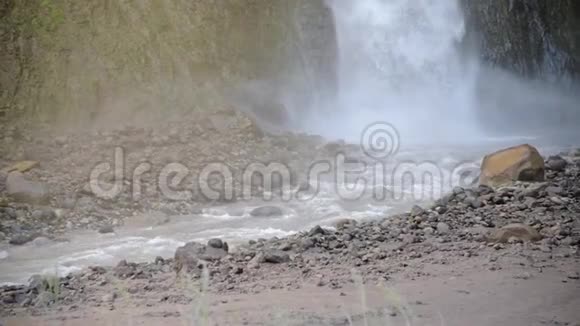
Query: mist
[409, 63]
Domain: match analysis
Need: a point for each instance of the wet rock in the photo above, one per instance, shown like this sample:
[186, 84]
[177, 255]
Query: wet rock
[24, 190]
[106, 229]
[267, 211]
[519, 231]
[215, 243]
[556, 163]
[519, 163]
[21, 239]
[276, 257]
[41, 242]
[316, 231]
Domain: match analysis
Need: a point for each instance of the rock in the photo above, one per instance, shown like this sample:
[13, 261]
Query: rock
[307, 243]
[316, 230]
[192, 256]
[124, 269]
[68, 203]
[428, 231]
[255, 262]
[345, 222]
[24, 190]
[187, 258]
[417, 210]
[218, 244]
[109, 297]
[517, 231]
[20, 239]
[267, 211]
[215, 243]
[106, 229]
[443, 228]
[21, 166]
[473, 202]
[276, 257]
[519, 163]
[556, 163]
[533, 190]
[41, 242]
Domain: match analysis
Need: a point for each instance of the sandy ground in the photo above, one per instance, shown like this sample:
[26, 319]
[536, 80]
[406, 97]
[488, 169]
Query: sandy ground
[462, 293]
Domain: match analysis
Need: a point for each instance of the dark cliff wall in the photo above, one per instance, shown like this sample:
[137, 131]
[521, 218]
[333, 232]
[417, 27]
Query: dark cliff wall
[535, 38]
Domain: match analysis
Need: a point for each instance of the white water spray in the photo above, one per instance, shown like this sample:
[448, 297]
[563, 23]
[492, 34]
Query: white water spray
[400, 62]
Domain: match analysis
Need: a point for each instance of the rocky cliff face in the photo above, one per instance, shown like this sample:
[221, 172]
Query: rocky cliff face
[534, 38]
[65, 59]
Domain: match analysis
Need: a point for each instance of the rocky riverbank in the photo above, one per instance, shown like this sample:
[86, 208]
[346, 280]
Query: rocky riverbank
[52, 194]
[534, 226]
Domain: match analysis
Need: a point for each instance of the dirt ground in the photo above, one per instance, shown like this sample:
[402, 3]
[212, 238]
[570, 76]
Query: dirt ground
[461, 293]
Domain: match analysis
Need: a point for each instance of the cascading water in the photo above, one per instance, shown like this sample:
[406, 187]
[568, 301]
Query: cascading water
[400, 61]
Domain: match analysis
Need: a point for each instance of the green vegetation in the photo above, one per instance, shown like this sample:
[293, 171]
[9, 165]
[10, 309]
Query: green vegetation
[73, 61]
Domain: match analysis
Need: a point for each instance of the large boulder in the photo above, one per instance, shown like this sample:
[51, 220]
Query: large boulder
[24, 190]
[519, 163]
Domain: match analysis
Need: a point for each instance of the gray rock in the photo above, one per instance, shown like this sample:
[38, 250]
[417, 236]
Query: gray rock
[106, 229]
[24, 190]
[307, 243]
[68, 203]
[8, 213]
[443, 228]
[267, 211]
[255, 262]
[215, 243]
[556, 163]
[109, 297]
[428, 230]
[344, 223]
[21, 239]
[553, 190]
[417, 210]
[44, 214]
[473, 202]
[458, 190]
[41, 242]
[276, 257]
[44, 299]
[316, 230]
[192, 256]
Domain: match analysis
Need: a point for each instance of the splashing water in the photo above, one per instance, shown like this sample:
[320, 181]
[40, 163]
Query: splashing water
[400, 61]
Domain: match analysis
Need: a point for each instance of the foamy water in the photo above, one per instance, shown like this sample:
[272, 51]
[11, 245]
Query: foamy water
[232, 222]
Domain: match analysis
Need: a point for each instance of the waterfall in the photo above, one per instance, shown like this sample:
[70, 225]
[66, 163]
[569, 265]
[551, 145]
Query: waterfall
[401, 62]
